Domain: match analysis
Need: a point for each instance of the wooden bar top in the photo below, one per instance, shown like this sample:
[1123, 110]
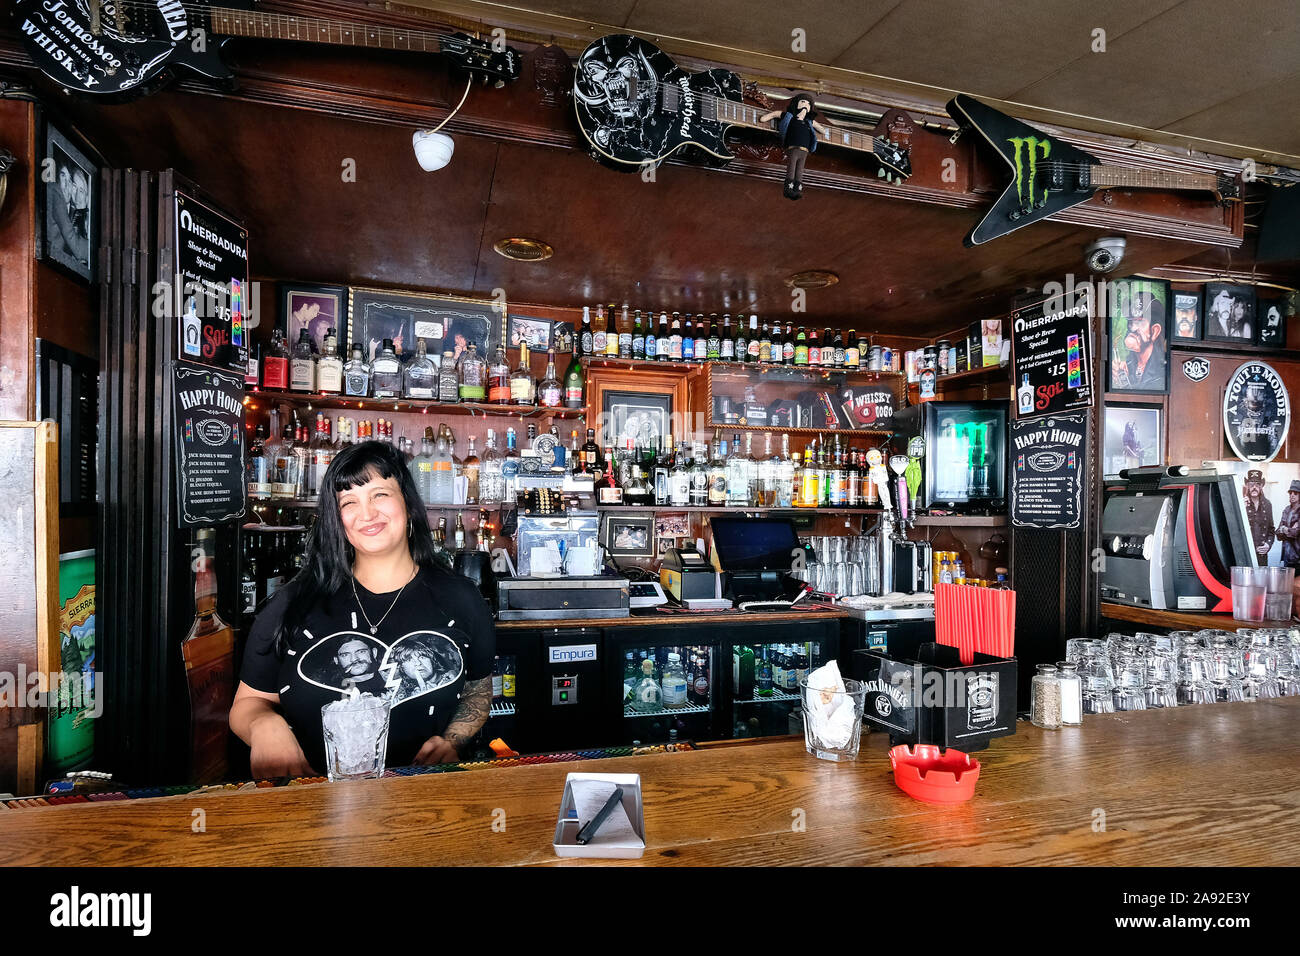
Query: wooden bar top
[1202, 785]
[1180, 620]
[673, 618]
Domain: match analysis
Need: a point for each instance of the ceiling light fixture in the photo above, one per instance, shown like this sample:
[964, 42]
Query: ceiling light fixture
[523, 250]
[812, 279]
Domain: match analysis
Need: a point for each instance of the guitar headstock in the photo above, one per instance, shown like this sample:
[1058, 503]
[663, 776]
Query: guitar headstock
[893, 157]
[483, 61]
[1227, 188]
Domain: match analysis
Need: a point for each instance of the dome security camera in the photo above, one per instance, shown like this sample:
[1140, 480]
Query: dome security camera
[1105, 255]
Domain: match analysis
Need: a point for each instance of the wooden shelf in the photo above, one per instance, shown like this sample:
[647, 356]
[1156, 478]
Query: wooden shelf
[736, 510]
[790, 430]
[742, 371]
[316, 400]
[1180, 620]
[966, 521]
[974, 375]
[311, 503]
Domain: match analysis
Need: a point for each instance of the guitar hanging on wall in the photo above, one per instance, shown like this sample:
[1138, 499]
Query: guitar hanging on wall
[636, 107]
[1048, 175]
[122, 48]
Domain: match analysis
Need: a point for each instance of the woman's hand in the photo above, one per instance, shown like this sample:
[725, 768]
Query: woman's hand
[436, 750]
[275, 750]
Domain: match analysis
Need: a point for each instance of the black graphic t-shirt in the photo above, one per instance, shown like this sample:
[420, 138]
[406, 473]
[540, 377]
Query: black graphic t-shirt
[437, 636]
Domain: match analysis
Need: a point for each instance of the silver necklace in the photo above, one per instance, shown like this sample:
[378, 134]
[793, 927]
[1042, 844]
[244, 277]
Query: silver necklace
[375, 627]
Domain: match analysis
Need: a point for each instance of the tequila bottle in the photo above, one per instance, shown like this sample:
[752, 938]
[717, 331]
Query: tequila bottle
[421, 467]
[491, 480]
[421, 374]
[699, 493]
[472, 469]
[473, 376]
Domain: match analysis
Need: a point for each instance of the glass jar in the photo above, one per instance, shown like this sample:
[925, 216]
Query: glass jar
[1045, 698]
[1071, 694]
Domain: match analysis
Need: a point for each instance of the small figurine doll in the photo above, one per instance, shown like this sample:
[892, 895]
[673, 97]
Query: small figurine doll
[799, 129]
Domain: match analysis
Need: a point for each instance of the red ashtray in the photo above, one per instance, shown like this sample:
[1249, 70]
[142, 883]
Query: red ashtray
[934, 775]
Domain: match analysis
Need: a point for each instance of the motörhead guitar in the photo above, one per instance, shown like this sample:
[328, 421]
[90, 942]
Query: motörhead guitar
[636, 107]
[121, 48]
[1048, 175]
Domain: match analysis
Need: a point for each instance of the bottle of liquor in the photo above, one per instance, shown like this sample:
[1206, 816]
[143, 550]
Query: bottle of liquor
[785, 471]
[510, 469]
[441, 487]
[839, 485]
[701, 339]
[699, 475]
[625, 335]
[386, 373]
[754, 344]
[259, 466]
[421, 374]
[663, 342]
[521, 379]
[550, 393]
[814, 349]
[787, 345]
[498, 392]
[1025, 396]
[688, 341]
[810, 492]
[590, 454]
[471, 469]
[852, 357]
[726, 344]
[718, 474]
[322, 454]
[253, 368]
[421, 467]
[585, 341]
[460, 532]
[713, 348]
[599, 332]
[491, 482]
[638, 338]
[275, 364]
[611, 339]
[608, 490]
[208, 649]
[302, 367]
[853, 477]
[356, 374]
[675, 339]
[329, 367]
[679, 479]
[449, 379]
[766, 487]
[575, 382]
[636, 491]
[249, 579]
[840, 355]
[473, 376]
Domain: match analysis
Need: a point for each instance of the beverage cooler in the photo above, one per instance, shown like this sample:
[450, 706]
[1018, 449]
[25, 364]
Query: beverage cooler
[965, 464]
[557, 675]
[766, 665]
[662, 684]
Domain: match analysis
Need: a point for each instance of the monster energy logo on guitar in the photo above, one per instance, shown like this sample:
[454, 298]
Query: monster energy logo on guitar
[1025, 150]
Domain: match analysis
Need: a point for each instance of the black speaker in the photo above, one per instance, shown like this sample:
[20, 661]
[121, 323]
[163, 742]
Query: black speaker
[1279, 230]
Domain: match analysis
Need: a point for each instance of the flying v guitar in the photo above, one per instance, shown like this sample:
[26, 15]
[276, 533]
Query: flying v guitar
[636, 107]
[1048, 175]
[121, 48]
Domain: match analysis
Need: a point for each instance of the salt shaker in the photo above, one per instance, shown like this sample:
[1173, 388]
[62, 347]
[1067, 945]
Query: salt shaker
[1045, 698]
[1071, 694]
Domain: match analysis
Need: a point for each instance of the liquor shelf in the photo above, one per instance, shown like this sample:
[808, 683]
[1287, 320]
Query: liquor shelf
[311, 503]
[738, 510]
[962, 521]
[312, 401]
[742, 371]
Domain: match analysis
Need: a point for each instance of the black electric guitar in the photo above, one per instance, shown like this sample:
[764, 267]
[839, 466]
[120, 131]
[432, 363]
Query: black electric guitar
[1048, 175]
[636, 107]
[122, 48]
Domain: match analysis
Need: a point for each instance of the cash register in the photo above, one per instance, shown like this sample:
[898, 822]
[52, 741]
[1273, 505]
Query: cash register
[756, 556]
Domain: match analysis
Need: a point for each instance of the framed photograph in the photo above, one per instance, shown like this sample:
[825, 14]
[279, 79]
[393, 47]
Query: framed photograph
[666, 545]
[1186, 326]
[641, 417]
[630, 535]
[316, 308]
[672, 525]
[1133, 437]
[562, 337]
[67, 205]
[1139, 343]
[525, 328]
[445, 322]
[1229, 313]
[1271, 307]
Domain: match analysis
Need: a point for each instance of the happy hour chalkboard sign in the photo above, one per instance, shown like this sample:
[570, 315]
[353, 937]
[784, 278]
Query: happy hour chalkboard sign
[1051, 355]
[1047, 471]
[209, 409]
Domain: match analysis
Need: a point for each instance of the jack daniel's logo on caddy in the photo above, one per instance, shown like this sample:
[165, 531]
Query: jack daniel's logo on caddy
[886, 698]
[981, 700]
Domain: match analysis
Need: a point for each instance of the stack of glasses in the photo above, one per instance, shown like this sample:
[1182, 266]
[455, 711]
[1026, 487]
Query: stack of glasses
[1142, 671]
[1262, 594]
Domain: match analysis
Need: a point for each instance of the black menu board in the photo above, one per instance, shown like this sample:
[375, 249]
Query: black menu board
[1048, 469]
[1051, 355]
[211, 294]
[209, 410]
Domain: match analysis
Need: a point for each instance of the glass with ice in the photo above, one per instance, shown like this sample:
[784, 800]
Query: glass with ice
[832, 713]
[356, 736]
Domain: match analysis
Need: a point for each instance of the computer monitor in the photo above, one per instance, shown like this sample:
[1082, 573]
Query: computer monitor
[754, 544]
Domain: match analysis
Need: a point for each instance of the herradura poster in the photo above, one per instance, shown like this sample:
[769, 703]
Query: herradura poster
[71, 744]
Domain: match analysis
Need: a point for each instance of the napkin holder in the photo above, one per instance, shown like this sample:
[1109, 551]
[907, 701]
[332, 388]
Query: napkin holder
[566, 828]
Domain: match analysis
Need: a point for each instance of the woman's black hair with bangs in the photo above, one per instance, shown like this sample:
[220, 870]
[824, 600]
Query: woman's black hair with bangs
[327, 570]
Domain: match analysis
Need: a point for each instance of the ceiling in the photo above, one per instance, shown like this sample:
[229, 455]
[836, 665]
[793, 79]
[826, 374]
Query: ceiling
[1223, 72]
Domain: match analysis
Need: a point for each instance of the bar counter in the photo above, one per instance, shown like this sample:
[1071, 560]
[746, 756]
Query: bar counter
[1204, 785]
[652, 616]
[1179, 620]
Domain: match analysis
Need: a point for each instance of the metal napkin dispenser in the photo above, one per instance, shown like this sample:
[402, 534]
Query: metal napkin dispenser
[547, 599]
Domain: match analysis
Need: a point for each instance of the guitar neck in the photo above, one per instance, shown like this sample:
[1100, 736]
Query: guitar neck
[742, 114]
[228, 21]
[1106, 177]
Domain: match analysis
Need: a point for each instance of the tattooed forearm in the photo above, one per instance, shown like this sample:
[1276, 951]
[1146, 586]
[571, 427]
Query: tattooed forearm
[471, 715]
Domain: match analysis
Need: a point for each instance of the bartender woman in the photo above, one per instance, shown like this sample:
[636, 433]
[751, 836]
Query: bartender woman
[371, 609]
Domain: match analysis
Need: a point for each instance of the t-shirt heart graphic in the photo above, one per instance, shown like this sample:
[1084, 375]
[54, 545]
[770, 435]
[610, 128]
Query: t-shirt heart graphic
[417, 663]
